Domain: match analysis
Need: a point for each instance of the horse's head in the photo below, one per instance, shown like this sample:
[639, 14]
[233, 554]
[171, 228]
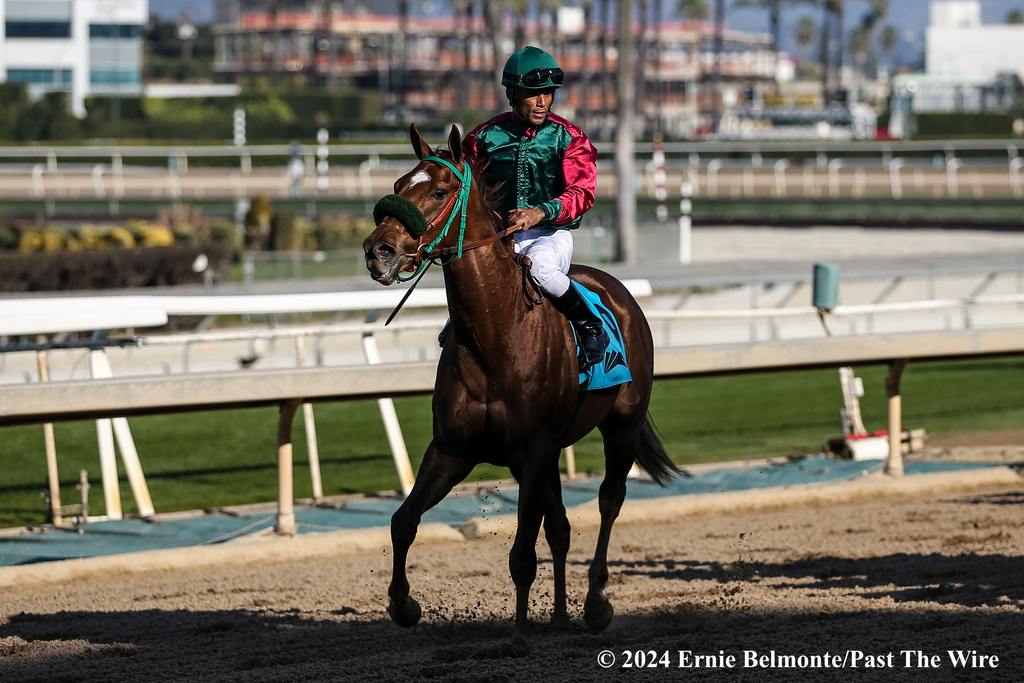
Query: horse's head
[414, 216]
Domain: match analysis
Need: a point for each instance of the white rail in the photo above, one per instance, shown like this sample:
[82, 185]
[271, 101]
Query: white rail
[102, 398]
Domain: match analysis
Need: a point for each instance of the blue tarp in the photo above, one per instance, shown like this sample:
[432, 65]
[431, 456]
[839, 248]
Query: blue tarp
[133, 535]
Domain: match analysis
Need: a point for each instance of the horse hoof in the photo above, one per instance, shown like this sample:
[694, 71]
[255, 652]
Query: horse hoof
[405, 613]
[560, 620]
[597, 613]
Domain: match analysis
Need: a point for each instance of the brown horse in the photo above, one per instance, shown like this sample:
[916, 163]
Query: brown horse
[507, 389]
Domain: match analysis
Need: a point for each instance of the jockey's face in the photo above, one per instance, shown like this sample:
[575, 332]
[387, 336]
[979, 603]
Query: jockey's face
[533, 106]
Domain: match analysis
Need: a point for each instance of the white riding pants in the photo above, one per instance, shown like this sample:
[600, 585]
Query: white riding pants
[551, 254]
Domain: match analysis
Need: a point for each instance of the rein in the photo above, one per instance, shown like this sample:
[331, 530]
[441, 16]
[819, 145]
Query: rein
[409, 215]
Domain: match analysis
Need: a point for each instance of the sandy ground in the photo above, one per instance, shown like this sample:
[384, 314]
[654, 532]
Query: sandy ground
[931, 575]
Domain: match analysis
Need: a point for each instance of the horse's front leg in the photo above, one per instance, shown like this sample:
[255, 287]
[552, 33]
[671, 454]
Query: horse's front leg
[522, 559]
[436, 477]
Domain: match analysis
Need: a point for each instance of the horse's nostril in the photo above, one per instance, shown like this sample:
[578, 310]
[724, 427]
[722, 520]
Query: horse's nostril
[384, 251]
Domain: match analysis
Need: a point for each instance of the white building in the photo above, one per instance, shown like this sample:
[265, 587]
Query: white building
[82, 47]
[958, 46]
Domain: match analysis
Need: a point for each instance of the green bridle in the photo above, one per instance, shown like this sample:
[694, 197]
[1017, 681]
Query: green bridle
[410, 216]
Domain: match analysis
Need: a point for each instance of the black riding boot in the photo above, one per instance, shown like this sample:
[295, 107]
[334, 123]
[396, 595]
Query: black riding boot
[589, 329]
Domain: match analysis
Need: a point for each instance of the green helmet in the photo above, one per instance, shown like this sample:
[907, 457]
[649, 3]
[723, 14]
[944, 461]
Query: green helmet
[531, 68]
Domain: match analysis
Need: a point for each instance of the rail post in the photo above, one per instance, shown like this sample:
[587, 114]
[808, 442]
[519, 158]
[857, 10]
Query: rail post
[392, 428]
[685, 221]
[780, 177]
[52, 480]
[833, 176]
[895, 181]
[1015, 166]
[952, 181]
[711, 173]
[285, 523]
[894, 463]
[312, 449]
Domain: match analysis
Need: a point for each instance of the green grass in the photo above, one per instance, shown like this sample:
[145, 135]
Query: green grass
[228, 457]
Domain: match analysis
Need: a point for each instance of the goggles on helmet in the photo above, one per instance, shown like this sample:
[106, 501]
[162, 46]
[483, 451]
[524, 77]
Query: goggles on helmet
[538, 77]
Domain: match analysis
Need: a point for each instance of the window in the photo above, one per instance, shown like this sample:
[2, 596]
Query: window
[55, 78]
[38, 29]
[113, 31]
[114, 77]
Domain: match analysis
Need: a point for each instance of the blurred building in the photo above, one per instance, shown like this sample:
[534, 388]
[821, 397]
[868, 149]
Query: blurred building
[82, 47]
[969, 66]
[959, 46]
[438, 66]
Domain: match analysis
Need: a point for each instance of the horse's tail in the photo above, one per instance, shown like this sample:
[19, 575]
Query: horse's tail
[652, 457]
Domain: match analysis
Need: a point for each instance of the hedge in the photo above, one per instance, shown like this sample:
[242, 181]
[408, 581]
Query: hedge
[964, 125]
[271, 116]
[110, 269]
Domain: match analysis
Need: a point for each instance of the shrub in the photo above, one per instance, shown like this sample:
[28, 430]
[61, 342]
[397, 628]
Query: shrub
[114, 268]
[343, 230]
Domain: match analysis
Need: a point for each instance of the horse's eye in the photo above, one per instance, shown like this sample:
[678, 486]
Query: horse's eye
[440, 192]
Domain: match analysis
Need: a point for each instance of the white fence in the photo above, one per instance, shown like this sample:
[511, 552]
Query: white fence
[105, 397]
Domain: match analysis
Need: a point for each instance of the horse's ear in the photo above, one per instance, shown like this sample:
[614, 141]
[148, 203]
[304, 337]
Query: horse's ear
[455, 144]
[419, 145]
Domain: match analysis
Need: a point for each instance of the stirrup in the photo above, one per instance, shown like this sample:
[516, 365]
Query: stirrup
[592, 347]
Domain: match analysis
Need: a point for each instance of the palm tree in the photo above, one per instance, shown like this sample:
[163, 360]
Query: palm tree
[1015, 17]
[403, 24]
[465, 9]
[860, 45]
[889, 39]
[520, 8]
[584, 75]
[805, 33]
[869, 24]
[602, 45]
[641, 63]
[494, 20]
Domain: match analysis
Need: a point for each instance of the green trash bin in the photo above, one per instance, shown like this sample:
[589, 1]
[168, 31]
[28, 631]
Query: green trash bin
[826, 286]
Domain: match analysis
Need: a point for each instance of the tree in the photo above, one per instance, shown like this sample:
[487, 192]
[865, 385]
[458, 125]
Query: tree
[464, 8]
[889, 39]
[1015, 16]
[860, 45]
[403, 26]
[862, 37]
[805, 33]
[602, 45]
[584, 75]
[496, 28]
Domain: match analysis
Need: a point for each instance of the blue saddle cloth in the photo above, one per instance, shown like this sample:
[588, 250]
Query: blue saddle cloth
[613, 371]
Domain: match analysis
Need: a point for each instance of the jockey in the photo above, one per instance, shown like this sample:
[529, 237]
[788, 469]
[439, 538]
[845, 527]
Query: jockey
[546, 168]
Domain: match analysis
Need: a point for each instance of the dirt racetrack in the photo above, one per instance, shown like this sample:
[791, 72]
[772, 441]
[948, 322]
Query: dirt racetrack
[932, 574]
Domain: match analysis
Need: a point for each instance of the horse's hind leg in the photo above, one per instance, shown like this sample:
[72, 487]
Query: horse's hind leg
[557, 532]
[436, 477]
[619, 448]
